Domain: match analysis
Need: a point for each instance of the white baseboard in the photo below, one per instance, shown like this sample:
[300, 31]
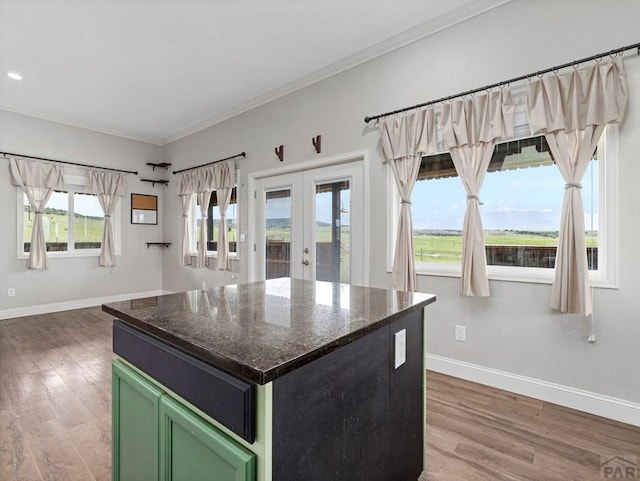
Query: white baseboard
[605, 406]
[77, 304]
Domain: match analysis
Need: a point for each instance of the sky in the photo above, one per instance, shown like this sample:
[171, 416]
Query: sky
[521, 199]
[83, 204]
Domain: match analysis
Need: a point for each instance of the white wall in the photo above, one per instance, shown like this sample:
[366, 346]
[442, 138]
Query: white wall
[513, 330]
[72, 280]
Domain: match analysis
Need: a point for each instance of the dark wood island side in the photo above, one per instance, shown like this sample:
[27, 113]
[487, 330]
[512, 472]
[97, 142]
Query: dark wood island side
[278, 380]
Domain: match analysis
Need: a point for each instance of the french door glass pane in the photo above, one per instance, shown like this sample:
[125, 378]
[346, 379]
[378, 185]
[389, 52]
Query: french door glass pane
[332, 232]
[278, 234]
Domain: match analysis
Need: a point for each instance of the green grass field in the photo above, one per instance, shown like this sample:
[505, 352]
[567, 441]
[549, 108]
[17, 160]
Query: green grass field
[447, 248]
[87, 229]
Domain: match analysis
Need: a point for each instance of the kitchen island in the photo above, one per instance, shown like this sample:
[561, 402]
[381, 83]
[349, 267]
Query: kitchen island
[278, 380]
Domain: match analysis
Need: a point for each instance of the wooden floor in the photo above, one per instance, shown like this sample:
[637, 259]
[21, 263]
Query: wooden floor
[55, 416]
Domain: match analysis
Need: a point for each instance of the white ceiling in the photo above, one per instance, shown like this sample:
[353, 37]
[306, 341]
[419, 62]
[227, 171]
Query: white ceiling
[156, 70]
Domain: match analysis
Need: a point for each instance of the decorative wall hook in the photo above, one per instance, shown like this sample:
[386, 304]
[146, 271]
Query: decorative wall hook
[316, 143]
[280, 152]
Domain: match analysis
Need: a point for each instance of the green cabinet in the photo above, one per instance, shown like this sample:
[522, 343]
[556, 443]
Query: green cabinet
[156, 437]
[193, 450]
[135, 407]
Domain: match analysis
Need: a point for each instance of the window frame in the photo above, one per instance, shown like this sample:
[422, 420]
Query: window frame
[193, 225]
[608, 221]
[73, 184]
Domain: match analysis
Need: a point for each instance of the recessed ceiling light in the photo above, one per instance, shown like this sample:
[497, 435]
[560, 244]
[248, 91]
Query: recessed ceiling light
[14, 76]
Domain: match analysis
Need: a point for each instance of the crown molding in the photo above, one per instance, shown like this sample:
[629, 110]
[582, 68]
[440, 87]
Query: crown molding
[85, 125]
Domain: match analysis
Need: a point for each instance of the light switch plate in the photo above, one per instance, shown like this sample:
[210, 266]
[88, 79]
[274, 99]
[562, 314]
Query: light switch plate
[401, 348]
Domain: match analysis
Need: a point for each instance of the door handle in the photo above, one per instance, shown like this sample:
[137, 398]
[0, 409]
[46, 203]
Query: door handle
[306, 250]
[305, 262]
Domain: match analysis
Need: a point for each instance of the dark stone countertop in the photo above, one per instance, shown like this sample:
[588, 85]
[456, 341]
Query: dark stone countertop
[259, 331]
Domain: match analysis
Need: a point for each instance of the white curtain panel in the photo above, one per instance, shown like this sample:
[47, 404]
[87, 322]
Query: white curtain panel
[203, 181]
[203, 200]
[185, 201]
[225, 181]
[108, 187]
[185, 190]
[224, 197]
[572, 111]
[37, 180]
[471, 127]
[406, 138]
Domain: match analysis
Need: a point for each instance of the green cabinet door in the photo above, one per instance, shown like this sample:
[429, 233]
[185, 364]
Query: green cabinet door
[135, 407]
[193, 450]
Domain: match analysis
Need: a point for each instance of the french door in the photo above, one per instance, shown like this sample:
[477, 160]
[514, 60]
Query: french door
[310, 225]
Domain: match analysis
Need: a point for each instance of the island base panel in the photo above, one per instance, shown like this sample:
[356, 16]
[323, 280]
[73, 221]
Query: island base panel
[350, 415]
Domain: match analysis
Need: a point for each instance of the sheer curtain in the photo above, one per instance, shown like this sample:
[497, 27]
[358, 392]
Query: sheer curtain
[405, 139]
[202, 182]
[108, 187]
[572, 111]
[37, 180]
[471, 127]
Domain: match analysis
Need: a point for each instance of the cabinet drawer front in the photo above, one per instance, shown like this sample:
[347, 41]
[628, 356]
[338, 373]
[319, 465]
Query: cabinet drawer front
[193, 450]
[225, 398]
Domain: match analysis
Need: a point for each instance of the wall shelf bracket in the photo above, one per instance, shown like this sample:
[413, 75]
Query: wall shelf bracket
[156, 181]
[160, 165]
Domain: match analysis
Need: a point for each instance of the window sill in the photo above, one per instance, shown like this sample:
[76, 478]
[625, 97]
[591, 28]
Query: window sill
[62, 255]
[214, 255]
[528, 275]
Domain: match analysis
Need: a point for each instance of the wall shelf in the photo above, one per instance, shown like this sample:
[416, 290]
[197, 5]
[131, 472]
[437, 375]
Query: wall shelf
[162, 165]
[163, 244]
[156, 181]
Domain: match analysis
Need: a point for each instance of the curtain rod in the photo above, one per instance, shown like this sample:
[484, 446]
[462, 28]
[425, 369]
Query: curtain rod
[575, 63]
[7, 154]
[241, 154]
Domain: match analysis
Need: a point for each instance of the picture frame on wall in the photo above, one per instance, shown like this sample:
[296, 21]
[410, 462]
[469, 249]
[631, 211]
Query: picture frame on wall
[144, 209]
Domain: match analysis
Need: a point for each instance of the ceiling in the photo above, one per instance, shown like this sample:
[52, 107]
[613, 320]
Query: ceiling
[157, 70]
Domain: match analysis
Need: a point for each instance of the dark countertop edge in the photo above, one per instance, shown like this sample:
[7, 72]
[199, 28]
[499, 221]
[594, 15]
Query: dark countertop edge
[249, 374]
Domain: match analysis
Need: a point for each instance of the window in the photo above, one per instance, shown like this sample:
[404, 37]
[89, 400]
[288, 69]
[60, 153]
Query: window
[213, 224]
[73, 222]
[521, 204]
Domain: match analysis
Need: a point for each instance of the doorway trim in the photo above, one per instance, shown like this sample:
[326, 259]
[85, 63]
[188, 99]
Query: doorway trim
[355, 156]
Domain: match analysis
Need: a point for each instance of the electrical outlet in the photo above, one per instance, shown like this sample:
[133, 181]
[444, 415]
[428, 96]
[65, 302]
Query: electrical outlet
[11, 291]
[461, 333]
[401, 348]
